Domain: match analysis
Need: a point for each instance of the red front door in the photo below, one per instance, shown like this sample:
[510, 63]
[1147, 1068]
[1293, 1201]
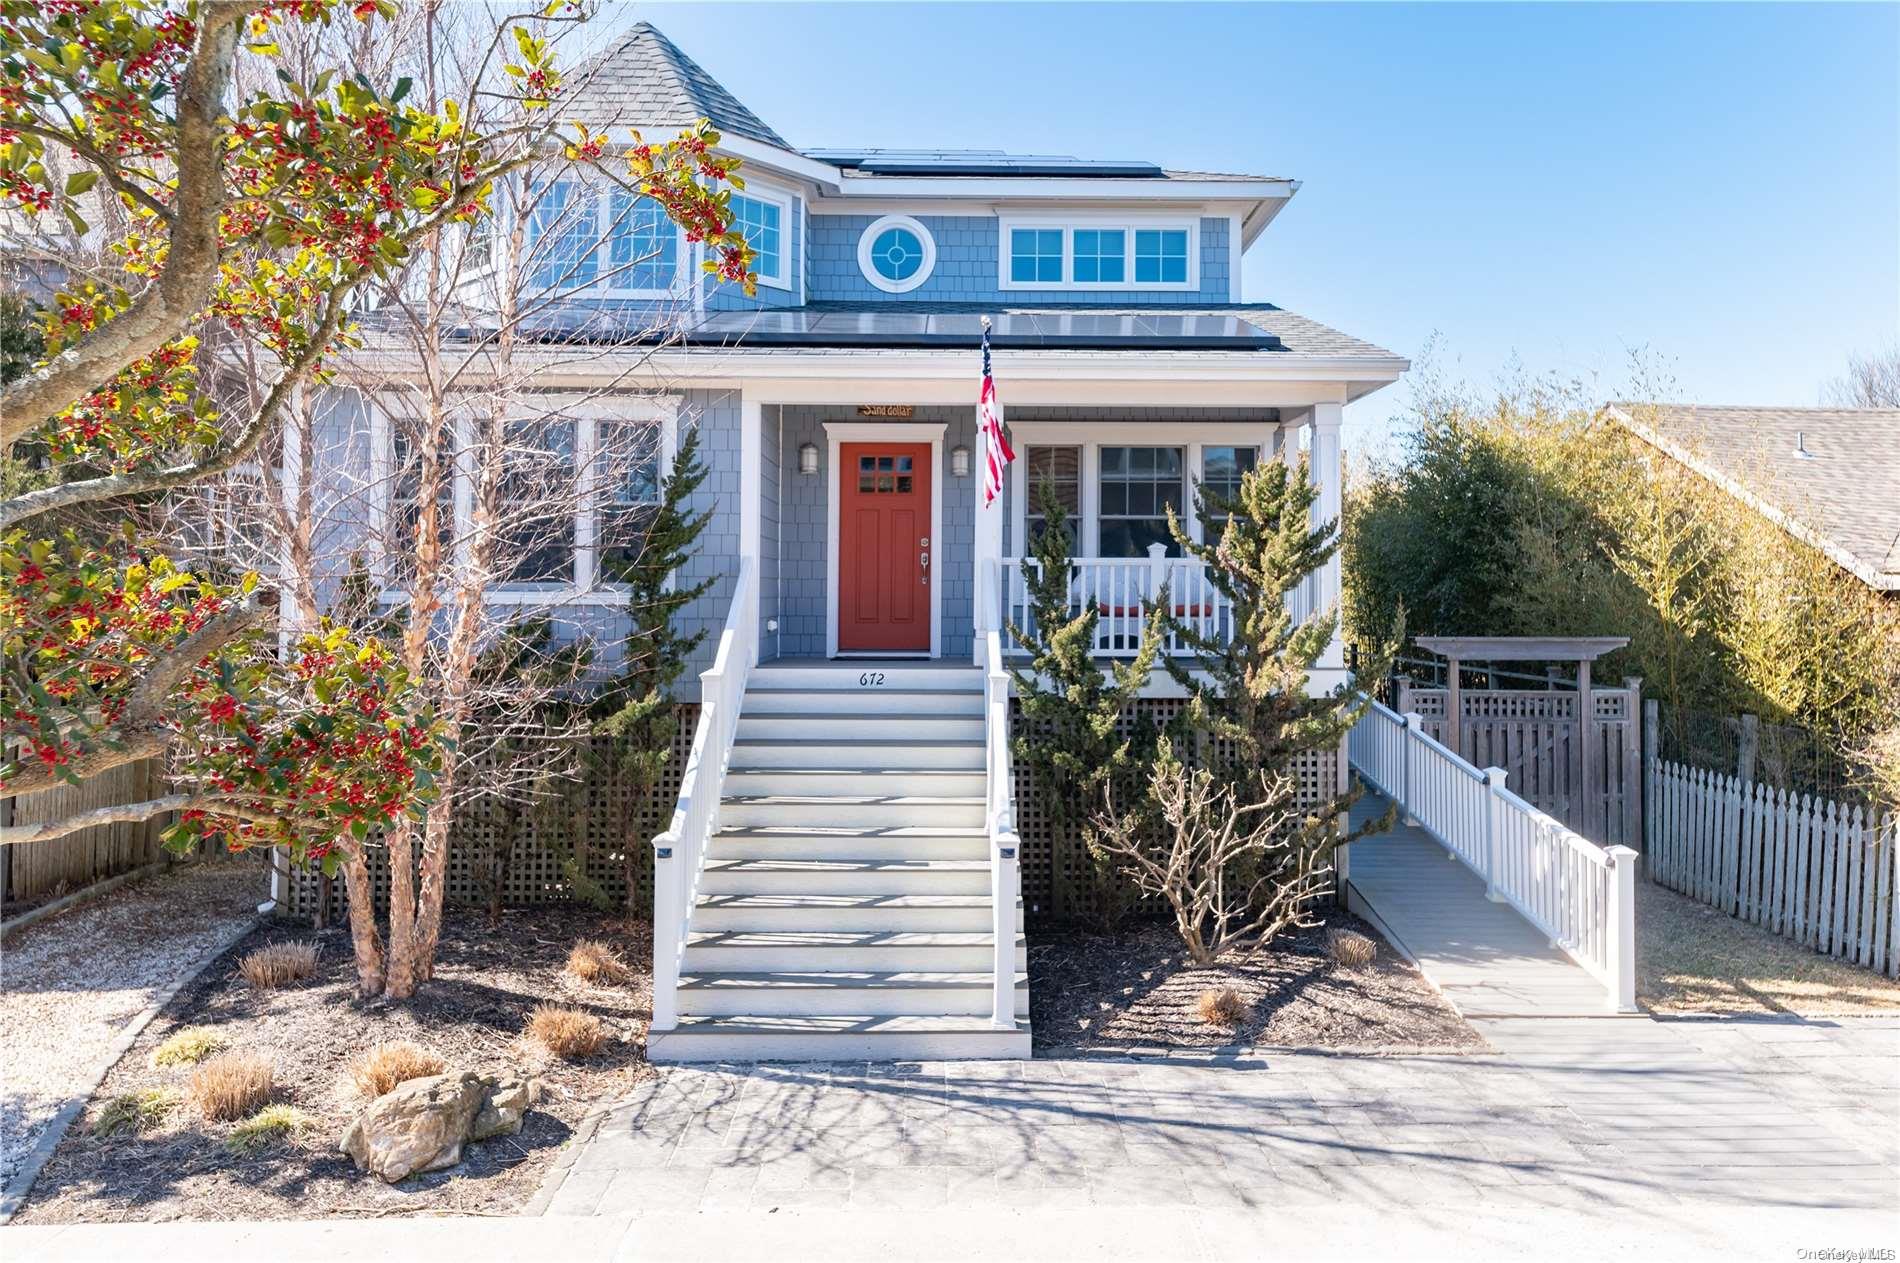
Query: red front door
[884, 548]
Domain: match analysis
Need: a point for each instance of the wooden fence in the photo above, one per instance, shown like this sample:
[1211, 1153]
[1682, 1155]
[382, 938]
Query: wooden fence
[38, 869]
[1582, 767]
[1818, 872]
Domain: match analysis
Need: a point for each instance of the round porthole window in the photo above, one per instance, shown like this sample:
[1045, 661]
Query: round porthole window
[896, 254]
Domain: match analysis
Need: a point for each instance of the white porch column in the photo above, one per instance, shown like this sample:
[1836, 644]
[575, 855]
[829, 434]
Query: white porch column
[1327, 470]
[987, 552]
[751, 495]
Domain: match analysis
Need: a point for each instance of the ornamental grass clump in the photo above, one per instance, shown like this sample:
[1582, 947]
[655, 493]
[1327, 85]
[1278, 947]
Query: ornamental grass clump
[269, 1126]
[279, 964]
[391, 1063]
[595, 963]
[1222, 1007]
[569, 1034]
[230, 1086]
[136, 1111]
[1350, 948]
[187, 1047]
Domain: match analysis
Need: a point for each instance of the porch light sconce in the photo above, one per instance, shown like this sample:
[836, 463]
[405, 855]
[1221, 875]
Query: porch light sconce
[808, 458]
[960, 461]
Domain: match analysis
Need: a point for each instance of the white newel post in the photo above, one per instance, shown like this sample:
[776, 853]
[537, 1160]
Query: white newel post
[1327, 471]
[1157, 570]
[988, 556]
[1493, 830]
[1622, 928]
[751, 503]
[669, 924]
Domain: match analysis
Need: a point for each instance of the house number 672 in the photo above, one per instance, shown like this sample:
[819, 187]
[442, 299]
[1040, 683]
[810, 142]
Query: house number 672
[871, 679]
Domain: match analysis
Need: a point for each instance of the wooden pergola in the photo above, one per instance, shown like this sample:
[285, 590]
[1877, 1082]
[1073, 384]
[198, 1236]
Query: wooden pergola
[1582, 650]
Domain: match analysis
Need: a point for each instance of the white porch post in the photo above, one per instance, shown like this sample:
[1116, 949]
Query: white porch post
[987, 553]
[751, 497]
[1327, 471]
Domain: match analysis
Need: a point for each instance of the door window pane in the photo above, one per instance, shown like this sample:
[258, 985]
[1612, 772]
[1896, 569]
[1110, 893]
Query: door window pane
[1138, 486]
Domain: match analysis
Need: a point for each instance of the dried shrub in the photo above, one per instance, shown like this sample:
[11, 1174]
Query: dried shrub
[593, 962]
[1350, 948]
[387, 1064]
[229, 1086]
[268, 1126]
[136, 1111]
[1222, 1007]
[280, 963]
[567, 1033]
[187, 1047]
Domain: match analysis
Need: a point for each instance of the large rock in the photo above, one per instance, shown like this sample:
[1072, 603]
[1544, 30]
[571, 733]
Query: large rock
[422, 1124]
[506, 1101]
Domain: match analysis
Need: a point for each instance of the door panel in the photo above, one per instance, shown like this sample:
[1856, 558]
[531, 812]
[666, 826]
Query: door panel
[884, 551]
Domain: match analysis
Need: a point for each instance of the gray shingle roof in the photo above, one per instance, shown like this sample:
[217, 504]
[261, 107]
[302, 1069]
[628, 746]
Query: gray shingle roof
[646, 81]
[1844, 495]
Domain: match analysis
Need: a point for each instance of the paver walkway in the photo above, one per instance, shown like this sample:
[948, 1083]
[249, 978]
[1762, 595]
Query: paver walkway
[1585, 1115]
[1487, 959]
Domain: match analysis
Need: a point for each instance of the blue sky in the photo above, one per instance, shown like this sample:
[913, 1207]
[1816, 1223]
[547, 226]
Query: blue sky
[1554, 184]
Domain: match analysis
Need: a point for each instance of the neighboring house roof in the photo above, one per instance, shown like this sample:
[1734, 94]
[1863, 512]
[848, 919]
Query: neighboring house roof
[647, 81]
[1830, 476]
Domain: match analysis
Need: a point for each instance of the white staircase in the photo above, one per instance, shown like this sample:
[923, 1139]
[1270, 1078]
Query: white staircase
[845, 905]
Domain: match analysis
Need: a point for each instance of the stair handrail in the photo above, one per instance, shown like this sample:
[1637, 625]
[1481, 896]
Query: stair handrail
[679, 854]
[999, 819]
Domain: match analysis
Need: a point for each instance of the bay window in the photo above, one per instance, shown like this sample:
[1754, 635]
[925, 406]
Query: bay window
[579, 236]
[764, 222]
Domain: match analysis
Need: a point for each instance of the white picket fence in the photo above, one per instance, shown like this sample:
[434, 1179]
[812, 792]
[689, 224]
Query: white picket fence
[1582, 896]
[1818, 872]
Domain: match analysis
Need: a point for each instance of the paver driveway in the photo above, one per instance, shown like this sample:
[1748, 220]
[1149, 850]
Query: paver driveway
[1576, 1113]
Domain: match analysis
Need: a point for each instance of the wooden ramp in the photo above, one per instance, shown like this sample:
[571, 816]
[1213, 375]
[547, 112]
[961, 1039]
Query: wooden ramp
[1488, 960]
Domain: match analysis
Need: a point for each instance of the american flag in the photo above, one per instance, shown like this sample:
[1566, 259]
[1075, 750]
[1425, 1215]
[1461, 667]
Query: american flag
[997, 453]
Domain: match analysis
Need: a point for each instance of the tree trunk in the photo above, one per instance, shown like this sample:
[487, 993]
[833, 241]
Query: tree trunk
[402, 975]
[364, 940]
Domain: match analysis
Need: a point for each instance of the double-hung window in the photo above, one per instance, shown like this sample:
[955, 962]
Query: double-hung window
[643, 245]
[1138, 485]
[563, 238]
[1221, 471]
[1059, 470]
[762, 222]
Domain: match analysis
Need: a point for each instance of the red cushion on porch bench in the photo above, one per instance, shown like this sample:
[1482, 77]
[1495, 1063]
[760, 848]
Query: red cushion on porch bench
[1180, 611]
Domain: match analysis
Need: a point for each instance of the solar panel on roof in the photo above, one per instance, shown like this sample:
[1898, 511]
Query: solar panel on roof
[979, 162]
[1017, 329]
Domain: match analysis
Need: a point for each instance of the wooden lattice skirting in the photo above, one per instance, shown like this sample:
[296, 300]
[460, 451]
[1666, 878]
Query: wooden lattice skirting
[596, 832]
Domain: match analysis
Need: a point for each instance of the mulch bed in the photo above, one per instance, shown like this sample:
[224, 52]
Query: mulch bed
[1137, 989]
[487, 982]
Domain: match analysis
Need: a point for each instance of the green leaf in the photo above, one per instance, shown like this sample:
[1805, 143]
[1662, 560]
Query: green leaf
[402, 90]
[79, 181]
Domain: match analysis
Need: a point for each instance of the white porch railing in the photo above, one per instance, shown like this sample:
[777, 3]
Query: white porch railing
[1122, 589]
[1582, 896]
[679, 854]
[999, 821]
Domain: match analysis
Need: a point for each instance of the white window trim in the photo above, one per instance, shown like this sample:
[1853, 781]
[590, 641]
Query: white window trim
[785, 201]
[1067, 224]
[870, 235]
[837, 434]
[586, 588]
[1092, 436]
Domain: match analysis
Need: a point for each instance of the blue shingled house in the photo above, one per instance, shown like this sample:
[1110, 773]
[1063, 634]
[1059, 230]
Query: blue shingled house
[841, 875]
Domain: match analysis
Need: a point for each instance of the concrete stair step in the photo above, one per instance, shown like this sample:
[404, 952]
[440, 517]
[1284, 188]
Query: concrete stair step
[850, 811]
[861, 676]
[834, 950]
[766, 1037]
[764, 699]
[844, 877]
[815, 780]
[830, 723]
[811, 911]
[910, 842]
[917, 993]
[871, 753]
